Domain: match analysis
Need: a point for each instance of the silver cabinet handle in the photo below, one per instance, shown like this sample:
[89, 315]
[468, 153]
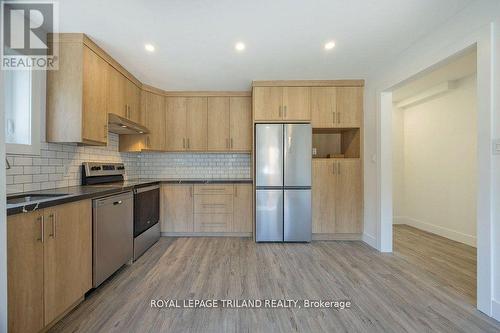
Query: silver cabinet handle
[119, 202]
[227, 143]
[279, 111]
[191, 191]
[42, 228]
[188, 143]
[333, 168]
[126, 111]
[338, 168]
[53, 220]
[148, 142]
[334, 117]
[184, 143]
[338, 117]
[231, 143]
[284, 111]
[235, 191]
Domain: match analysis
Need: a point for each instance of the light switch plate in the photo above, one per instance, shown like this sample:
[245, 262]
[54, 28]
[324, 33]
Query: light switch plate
[496, 147]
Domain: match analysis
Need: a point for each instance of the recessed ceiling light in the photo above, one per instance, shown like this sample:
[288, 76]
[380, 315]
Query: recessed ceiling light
[329, 45]
[240, 46]
[149, 47]
[124, 126]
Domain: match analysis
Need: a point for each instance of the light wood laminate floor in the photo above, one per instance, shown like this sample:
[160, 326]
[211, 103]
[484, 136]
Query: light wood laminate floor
[390, 292]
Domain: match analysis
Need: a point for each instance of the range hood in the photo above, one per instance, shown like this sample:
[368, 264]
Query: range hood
[120, 125]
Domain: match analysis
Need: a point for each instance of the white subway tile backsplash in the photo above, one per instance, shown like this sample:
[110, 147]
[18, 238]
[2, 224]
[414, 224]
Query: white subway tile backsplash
[59, 165]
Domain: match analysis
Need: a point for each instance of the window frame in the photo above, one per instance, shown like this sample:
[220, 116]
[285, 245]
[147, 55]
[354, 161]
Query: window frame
[37, 109]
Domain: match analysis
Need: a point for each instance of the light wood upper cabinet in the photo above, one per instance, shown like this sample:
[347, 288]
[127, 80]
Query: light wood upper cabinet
[67, 256]
[323, 107]
[176, 208]
[336, 196]
[349, 106]
[268, 103]
[242, 208]
[281, 103]
[154, 117]
[95, 95]
[218, 123]
[197, 123]
[88, 85]
[49, 257]
[348, 196]
[124, 98]
[229, 124]
[240, 123]
[133, 94]
[296, 103]
[176, 131]
[25, 272]
[117, 102]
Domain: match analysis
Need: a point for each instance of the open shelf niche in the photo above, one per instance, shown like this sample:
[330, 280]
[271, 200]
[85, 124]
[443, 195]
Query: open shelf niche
[336, 143]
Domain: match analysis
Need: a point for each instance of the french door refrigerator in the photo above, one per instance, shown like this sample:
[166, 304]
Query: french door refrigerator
[283, 182]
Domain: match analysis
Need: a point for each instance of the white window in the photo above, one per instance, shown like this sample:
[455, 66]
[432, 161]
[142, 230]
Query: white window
[24, 93]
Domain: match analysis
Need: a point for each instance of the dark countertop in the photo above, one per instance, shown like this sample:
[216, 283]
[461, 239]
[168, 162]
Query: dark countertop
[75, 193]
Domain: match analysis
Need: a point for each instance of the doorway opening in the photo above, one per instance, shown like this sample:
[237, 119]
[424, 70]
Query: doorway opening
[434, 173]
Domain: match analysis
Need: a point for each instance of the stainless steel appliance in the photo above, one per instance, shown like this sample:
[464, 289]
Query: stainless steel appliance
[142, 215]
[146, 218]
[283, 182]
[112, 235]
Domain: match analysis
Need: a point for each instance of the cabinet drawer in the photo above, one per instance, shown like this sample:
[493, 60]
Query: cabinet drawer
[213, 189]
[214, 204]
[212, 222]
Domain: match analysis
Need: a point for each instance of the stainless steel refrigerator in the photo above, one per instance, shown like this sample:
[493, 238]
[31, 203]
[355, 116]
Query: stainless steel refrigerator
[283, 182]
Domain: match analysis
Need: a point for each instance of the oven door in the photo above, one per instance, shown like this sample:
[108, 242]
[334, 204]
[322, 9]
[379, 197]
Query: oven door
[146, 208]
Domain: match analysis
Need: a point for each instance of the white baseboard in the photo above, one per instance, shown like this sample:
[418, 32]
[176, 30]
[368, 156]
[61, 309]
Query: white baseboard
[440, 231]
[495, 309]
[370, 240]
[398, 220]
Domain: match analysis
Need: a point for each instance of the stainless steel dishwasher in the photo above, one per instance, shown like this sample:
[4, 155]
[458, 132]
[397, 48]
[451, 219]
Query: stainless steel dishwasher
[113, 231]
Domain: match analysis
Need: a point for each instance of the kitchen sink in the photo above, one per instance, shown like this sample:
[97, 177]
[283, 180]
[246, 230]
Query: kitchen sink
[27, 198]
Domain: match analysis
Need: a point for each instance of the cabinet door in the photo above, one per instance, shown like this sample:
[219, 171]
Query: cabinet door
[297, 103]
[349, 106]
[155, 120]
[242, 208]
[323, 196]
[268, 103]
[240, 118]
[133, 102]
[95, 97]
[176, 123]
[323, 106]
[25, 272]
[117, 103]
[67, 256]
[218, 123]
[176, 208]
[348, 196]
[197, 123]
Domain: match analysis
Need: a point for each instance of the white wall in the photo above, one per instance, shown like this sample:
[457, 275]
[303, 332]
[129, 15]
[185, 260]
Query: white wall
[477, 24]
[434, 170]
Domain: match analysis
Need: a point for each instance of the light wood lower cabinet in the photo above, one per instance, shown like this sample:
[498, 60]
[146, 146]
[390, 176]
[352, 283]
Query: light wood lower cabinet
[225, 208]
[336, 196]
[25, 272]
[176, 208]
[49, 255]
[242, 208]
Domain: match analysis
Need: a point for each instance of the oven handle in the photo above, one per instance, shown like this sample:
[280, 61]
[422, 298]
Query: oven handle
[146, 189]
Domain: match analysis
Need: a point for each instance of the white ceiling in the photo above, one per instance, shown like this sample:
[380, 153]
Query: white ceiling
[195, 39]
